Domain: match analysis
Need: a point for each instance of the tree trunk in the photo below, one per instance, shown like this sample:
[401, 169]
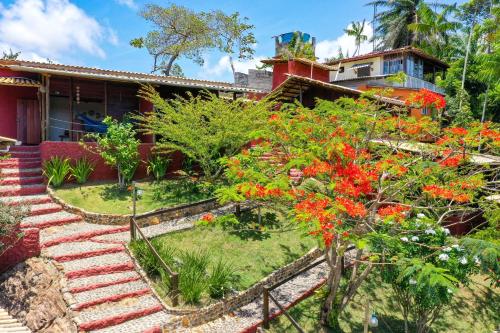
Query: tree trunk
[170, 64]
[466, 59]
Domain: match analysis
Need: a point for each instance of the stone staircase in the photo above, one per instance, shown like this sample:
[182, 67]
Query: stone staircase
[104, 290]
[11, 325]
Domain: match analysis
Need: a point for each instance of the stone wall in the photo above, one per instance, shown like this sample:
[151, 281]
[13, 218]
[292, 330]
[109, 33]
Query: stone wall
[32, 293]
[20, 248]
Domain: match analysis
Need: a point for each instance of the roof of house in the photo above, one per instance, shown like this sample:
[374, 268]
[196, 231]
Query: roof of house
[292, 86]
[122, 76]
[304, 61]
[18, 81]
[406, 49]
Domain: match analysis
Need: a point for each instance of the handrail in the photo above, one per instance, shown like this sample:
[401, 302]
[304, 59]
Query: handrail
[174, 276]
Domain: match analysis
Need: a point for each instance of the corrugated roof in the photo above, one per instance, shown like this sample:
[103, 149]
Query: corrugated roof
[301, 60]
[18, 81]
[406, 49]
[115, 75]
[289, 89]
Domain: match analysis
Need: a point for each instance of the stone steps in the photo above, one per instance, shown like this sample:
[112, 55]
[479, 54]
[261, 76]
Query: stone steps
[16, 172]
[8, 324]
[21, 180]
[24, 148]
[49, 220]
[26, 200]
[24, 154]
[75, 232]
[19, 163]
[45, 208]
[81, 250]
[18, 190]
[86, 283]
[149, 323]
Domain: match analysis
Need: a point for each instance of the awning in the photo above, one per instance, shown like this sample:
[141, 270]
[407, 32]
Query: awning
[18, 81]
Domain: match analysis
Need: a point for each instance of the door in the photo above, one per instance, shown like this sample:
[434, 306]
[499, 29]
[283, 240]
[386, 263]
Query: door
[28, 121]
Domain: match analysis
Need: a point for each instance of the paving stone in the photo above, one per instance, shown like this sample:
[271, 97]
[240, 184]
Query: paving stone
[72, 230]
[118, 289]
[74, 248]
[138, 325]
[52, 218]
[103, 278]
[97, 261]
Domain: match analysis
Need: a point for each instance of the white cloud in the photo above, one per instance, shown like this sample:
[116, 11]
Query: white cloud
[329, 48]
[43, 29]
[129, 3]
[223, 67]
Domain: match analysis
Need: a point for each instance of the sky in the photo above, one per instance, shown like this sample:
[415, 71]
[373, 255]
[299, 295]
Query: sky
[96, 33]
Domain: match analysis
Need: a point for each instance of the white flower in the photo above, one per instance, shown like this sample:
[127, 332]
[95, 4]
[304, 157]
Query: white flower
[414, 239]
[457, 247]
[444, 257]
[477, 261]
[412, 281]
[404, 239]
[447, 249]
[420, 215]
[446, 231]
[463, 260]
[430, 231]
[450, 291]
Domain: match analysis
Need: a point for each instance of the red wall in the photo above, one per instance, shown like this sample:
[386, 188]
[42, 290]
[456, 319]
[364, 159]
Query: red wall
[8, 103]
[280, 69]
[26, 247]
[74, 151]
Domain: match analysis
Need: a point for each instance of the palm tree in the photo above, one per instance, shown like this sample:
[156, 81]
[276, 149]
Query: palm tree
[433, 30]
[356, 30]
[392, 23]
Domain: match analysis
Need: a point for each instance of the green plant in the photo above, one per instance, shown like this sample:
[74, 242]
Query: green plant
[220, 279]
[145, 257]
[56, 170]
[158, 166]
[10, 216]
[82, 170]
[193, 275]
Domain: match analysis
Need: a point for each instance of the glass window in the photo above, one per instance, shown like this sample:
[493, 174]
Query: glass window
[392, 66]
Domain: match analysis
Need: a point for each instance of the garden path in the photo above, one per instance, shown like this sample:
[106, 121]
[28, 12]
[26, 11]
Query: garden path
[103, 286]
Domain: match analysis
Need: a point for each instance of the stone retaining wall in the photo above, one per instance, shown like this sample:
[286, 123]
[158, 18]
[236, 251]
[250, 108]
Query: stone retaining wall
[146, 219]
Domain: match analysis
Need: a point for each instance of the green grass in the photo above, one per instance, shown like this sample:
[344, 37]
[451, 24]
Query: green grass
[475, 309]
[109, 198]
[252, 254]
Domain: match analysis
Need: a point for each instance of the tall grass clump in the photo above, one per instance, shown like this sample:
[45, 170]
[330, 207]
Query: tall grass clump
[158, 166]
[145, 257]
[82, 170]
[56, 170]
[221, 279]
[193, 275]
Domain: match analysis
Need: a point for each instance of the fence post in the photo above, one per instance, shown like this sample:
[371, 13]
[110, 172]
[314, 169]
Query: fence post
[265, 307]
[132, 225]
[174, 280]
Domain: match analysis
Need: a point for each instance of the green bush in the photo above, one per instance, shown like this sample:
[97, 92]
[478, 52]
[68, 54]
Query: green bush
[145, 257]
[193, 276]
[220, 279]
[158, 166]
[56, 170]
[82, 170]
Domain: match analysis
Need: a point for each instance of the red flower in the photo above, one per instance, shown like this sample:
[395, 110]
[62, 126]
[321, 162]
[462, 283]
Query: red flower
[397, 212]
[209, 217]
[352, 208]
[445, 193]
[458, 131]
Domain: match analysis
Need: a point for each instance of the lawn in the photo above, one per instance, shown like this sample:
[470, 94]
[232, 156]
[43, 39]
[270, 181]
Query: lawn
[253, 254]
[109, 198]
[474, 309]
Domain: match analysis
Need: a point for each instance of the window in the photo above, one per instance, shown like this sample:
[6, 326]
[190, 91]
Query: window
[341, 69]
[392, 66]
[362, 69]
[425, 112]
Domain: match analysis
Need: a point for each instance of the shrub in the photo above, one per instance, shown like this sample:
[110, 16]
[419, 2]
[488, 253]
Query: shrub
[145, 257]
[193, 276]
[10, 216]
[157, 166]
[56, 170]
[82, 170]
[220, 279]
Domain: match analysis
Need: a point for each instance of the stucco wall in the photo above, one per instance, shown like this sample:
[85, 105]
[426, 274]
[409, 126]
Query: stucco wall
[8, 103]
[293, 67]
[20, 249]
[376, 68]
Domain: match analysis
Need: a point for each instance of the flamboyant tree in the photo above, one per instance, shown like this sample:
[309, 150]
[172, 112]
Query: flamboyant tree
[350, 171]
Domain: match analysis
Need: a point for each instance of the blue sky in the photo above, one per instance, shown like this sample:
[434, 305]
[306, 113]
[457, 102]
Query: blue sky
[97, 32]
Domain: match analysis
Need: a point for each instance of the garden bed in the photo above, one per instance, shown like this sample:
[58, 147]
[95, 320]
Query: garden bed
[108, 198]
[247, 252]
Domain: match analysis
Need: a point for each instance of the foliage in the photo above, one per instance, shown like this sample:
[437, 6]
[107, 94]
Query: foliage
[11, 55]
[82, 170]
[57, 170]
[181, 32]
[298, 49]
[220, 279]
[356, 30]
[118, 147]
[204, 128]
[424, 268]
[10, 217]
[158, 166]
[350, 185]
[193, 275]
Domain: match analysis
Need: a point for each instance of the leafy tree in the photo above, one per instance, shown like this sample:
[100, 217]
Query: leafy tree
[11, 55]
[356, 30]
[234, 36]
[178, 32]
[297, 48]
[204, 128]
[118, 147]
[353, 186]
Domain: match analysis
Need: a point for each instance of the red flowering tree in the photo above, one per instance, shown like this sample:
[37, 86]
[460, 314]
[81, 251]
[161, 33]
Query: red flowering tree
[342, 173]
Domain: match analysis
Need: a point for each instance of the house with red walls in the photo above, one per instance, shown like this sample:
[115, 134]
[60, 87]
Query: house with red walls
[55, 105]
